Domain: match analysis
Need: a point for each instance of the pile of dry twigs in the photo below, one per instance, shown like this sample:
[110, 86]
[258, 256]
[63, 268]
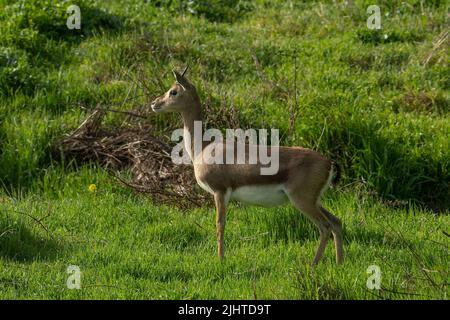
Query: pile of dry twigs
[134, 148]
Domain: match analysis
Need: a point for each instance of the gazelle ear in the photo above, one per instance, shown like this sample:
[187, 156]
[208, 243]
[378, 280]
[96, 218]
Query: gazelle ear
[176, 75]
[184, 72]
[181, 79]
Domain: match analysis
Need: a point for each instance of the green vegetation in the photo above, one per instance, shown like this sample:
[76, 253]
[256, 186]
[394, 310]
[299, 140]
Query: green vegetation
[377, 102]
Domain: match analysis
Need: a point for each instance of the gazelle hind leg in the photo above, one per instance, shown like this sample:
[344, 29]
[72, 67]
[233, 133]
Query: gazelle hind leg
[310, 209]
[336, 229]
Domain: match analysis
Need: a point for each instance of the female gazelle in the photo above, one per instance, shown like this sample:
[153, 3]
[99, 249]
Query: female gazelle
[301, 178]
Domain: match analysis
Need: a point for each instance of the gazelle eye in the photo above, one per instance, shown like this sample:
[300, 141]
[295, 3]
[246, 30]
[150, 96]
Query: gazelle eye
[173, 92]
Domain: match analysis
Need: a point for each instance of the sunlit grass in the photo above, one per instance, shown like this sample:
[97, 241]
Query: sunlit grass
[127, 247]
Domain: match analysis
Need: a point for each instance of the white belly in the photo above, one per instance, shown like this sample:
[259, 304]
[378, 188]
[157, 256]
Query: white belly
[263, 195]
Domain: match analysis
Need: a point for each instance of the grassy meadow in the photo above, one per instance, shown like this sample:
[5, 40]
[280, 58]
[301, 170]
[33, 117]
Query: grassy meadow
[375, 101]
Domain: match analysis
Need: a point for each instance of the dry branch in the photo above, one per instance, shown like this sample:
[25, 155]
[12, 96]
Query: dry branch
[440, 44]
[134, 148]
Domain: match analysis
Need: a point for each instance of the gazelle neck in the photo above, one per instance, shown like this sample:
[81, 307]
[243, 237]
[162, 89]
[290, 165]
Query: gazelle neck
[189, 118]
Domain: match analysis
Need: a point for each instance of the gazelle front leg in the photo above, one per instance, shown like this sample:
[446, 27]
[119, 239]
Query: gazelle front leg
[219, 199]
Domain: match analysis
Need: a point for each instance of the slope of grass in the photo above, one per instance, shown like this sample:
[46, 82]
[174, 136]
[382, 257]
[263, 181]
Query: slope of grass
[313, 70]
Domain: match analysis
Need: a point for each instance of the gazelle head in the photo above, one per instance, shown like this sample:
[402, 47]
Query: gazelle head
[181, 96]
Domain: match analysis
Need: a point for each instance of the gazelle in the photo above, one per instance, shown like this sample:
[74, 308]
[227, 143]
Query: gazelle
[302, 177]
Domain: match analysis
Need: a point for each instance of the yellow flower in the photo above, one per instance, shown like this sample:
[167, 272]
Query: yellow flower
[92, 188]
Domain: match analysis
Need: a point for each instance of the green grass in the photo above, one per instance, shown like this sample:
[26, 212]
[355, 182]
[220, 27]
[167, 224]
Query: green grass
[128, 247]
[364, 99]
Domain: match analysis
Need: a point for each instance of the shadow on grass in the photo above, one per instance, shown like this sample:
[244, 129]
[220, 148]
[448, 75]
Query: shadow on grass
[291, 226]
[285, 226]
[373, 238]
[394, 166]
[19, 243]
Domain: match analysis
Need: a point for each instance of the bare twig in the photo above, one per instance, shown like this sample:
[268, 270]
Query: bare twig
[266, 80]
[255, 236]
[4, 233]
[123, 112]
[38, 221]
[442, 38]
[404, 293]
